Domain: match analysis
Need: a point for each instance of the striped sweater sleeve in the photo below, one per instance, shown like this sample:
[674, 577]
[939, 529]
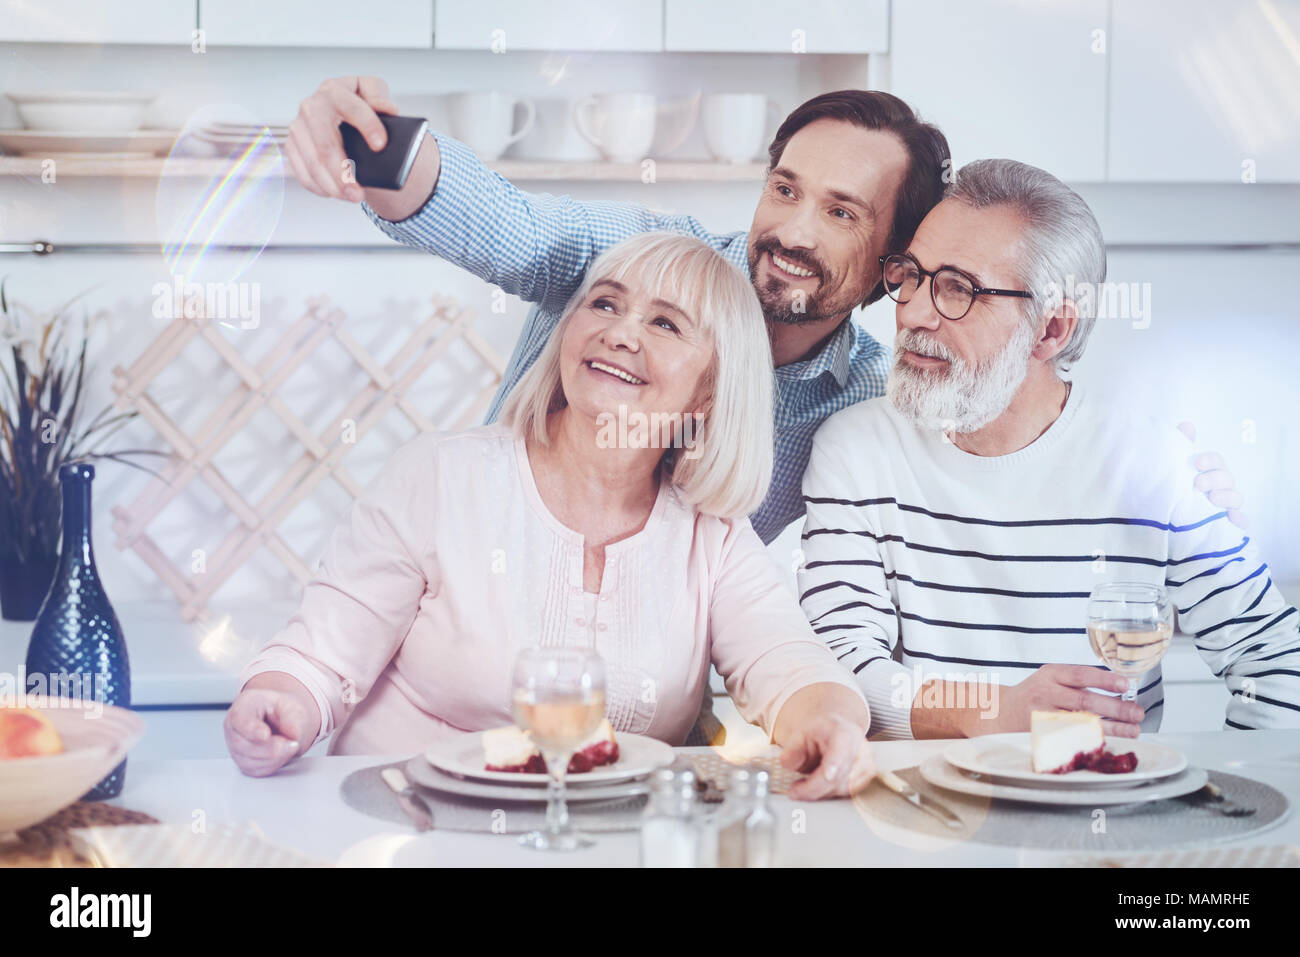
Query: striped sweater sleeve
[1241, 624]
[842, 585]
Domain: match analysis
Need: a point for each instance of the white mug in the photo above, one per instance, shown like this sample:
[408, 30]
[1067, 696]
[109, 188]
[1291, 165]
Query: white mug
[736, 125]
[555, 135]
[485, 121]
[620, 125]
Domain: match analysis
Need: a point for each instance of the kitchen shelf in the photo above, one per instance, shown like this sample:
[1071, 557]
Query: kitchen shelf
[515, 170]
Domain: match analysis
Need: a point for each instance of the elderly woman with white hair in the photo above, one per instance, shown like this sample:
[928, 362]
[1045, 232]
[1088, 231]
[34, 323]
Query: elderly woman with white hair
[606, 510]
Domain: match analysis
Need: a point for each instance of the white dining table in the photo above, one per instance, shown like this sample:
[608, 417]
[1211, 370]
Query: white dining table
[301, 808]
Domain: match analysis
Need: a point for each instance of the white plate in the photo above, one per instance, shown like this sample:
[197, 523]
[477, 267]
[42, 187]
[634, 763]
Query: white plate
[44, 142]
[419, 771]
[462, 757]
[942, 774]
[1006, 759]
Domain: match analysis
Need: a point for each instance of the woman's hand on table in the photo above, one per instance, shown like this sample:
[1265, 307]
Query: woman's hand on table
[266, 727]
[833, 751]
[822, 730]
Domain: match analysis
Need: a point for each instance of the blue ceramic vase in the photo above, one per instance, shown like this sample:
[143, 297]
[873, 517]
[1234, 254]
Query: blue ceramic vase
[76, 632]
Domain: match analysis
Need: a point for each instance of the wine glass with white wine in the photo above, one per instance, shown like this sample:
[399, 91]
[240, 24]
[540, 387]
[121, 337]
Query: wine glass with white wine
[1130, 625]
[559, 699]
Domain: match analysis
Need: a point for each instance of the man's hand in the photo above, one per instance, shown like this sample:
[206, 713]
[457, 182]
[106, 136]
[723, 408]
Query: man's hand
[315, 145]
[1065, 687]
[1216, 481]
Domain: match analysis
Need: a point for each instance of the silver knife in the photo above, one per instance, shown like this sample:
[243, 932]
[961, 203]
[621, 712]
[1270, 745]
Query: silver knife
[930, 806]
[411, 802]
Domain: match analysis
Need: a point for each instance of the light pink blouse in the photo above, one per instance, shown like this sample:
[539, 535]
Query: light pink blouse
[450, 563]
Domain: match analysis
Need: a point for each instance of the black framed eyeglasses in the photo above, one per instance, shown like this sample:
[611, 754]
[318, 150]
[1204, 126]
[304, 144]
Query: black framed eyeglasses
[951, 290]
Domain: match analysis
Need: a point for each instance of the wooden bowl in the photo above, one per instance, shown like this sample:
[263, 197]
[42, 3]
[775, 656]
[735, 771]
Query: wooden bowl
[94, 743]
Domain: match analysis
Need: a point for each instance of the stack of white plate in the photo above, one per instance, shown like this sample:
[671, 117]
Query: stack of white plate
[100, 124]
[998, 766]
[455, 766]
[228, 138]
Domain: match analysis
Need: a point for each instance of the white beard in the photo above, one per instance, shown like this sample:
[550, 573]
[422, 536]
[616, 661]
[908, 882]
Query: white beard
[961, 398]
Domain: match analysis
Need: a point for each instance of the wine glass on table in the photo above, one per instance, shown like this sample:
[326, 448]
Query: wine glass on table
[1130, 625]
[559, 699]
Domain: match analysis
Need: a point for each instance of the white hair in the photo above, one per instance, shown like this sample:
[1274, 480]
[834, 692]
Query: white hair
[730, 466]
[1061, 244]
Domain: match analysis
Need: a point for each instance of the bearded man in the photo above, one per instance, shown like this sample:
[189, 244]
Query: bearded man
[956, 527]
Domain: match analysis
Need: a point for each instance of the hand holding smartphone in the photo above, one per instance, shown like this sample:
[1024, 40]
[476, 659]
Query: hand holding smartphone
[389, 167]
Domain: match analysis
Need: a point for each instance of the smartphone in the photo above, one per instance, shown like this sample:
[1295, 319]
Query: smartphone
[388, 168]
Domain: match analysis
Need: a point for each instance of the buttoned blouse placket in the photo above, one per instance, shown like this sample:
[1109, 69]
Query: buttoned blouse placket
[565, 623]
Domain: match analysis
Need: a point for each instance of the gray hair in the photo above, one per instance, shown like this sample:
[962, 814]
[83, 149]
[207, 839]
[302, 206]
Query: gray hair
[1061, 246]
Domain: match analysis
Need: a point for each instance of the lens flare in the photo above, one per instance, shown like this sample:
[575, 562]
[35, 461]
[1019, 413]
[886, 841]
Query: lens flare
[222, 186]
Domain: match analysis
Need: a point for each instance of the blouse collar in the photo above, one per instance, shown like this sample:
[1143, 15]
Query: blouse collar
[534, 497]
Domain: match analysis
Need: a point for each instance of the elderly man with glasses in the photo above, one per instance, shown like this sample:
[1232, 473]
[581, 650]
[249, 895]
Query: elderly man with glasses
[956, 527]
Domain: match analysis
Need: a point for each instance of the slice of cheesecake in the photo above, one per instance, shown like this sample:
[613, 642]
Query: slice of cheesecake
[510, 749]
[513, 750]
[1062, 741]
[600, 748]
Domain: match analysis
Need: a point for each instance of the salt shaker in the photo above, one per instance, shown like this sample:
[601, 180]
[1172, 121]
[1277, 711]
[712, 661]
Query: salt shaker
[746, 827]
[669, 829]
[760, 825]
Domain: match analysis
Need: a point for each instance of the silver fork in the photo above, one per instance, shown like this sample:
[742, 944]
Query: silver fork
[1223, 804]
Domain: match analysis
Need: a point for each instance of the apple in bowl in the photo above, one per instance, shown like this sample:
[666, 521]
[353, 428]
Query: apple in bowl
[54, 750]
[27, 733]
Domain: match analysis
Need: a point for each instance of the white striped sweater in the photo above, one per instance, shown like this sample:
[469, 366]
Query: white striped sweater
[920, 558]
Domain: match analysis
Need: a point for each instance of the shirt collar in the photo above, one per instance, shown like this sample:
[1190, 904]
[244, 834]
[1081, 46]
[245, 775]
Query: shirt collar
[833, 357]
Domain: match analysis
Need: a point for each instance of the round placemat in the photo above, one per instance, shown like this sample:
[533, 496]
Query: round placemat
[1155, 825]
[365, 791]
[46, 843]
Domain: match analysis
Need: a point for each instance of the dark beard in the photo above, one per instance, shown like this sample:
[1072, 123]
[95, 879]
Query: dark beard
[775, 298]
[778, 307]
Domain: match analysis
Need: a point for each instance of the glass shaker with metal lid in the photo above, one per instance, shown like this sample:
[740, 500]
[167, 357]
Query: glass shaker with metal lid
[746, 826]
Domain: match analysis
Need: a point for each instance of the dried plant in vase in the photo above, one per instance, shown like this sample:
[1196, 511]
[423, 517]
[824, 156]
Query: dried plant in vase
[42, 429]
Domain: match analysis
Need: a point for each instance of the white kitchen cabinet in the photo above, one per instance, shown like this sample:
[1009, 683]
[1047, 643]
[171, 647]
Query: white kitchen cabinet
[501, 26]
[777, 26]
[1205, 91]
[94, 21]
[1002, 78]
[318, 23]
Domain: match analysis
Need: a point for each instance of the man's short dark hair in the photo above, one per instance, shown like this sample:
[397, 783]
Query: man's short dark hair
[926, 146]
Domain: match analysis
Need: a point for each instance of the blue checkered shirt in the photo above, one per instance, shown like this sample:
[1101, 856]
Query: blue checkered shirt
[537, 246]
